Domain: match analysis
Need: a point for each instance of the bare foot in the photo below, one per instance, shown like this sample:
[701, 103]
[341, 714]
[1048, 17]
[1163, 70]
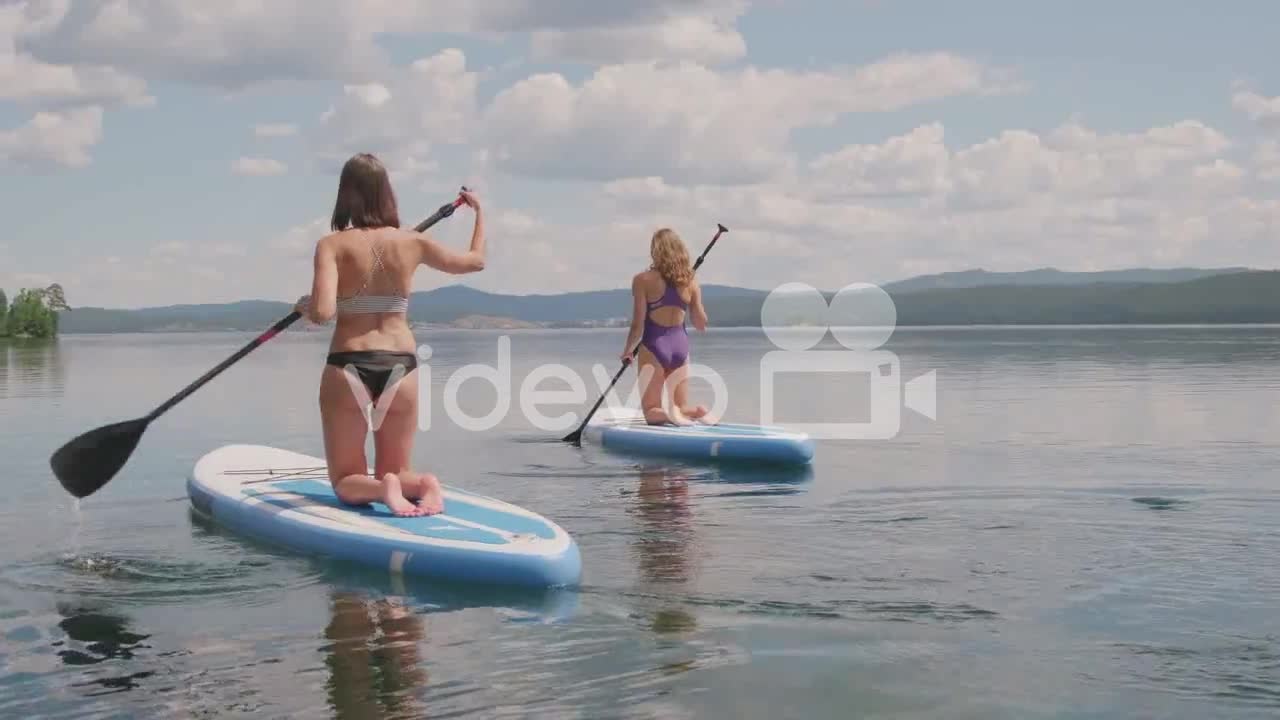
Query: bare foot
[702, 415]
[678, 418]
[432, 500]
[412, 485]
[393, 496]
[658, 416]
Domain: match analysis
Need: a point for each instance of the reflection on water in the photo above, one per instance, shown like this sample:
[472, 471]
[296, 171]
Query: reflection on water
[783, 480]
[375, 668]
[665, 545]
[31, 368]
[94, 636]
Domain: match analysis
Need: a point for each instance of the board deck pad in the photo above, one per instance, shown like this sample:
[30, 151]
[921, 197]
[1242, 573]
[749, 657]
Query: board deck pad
[442, 525]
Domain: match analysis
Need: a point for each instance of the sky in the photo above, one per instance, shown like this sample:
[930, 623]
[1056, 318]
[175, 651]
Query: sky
[155, 152]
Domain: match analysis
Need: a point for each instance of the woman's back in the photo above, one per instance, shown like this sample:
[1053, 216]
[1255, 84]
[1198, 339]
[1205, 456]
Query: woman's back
[375, 277]
[665, 302]
[376, 262]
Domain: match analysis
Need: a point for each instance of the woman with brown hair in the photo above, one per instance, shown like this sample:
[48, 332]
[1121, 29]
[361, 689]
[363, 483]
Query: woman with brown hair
[363, 274]
[661, 297]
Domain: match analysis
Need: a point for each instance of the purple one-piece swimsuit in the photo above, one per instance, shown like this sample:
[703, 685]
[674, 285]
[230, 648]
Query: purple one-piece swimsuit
[668, 343]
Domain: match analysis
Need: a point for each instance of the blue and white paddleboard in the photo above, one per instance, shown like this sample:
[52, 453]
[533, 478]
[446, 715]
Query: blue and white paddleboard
[285, 497]
[625, 430]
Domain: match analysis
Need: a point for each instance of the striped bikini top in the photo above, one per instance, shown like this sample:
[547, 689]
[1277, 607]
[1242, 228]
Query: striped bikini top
[361, 304]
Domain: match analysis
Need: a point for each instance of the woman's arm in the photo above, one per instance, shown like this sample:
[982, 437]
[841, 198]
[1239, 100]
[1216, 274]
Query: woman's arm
[699, 312]
[323, 302]
[637, 318]
[441, 258]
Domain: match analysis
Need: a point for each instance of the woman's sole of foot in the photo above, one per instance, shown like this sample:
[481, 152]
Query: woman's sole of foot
[432, 500]
[393, 497]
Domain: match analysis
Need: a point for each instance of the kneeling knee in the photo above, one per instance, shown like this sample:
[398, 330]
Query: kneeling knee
[346, 497]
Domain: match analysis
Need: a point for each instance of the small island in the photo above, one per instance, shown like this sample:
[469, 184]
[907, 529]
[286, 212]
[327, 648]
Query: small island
[33, 312]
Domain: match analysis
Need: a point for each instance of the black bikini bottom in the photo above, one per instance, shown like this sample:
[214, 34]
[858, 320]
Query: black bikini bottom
[374, 367]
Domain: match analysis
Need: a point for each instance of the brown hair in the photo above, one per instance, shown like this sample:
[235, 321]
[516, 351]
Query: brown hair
[670, 258]
[365, 198]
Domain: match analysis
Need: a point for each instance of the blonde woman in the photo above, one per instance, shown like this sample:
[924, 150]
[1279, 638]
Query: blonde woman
[662, 297]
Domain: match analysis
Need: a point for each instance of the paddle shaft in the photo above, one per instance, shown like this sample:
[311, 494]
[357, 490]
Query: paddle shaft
[444, 212]
[577, 434]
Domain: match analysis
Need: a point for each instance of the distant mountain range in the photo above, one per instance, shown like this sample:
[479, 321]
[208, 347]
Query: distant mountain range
[1041, 296]
[1053, 277]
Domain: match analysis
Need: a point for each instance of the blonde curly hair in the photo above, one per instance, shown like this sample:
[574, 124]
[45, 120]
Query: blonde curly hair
[670, 257]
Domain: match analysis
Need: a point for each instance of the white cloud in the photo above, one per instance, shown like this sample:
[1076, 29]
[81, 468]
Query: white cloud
[300, 240]
[1074, 160]
[1073, 197]
[1220, 170]
[52, 139]
[261, 167]
[1263, 110]
[703, 39]
[229, 44]
[431, 101]
[687, 122]
[370, 95]
[25, 79]
[275, 130]
[235, 45]
[916, 163]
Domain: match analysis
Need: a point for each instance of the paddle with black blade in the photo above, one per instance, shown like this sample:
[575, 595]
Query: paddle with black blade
[89, 461]
[575, 437]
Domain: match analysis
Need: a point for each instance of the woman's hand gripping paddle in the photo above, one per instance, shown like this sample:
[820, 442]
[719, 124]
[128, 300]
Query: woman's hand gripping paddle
[89, 461]
[575, 437]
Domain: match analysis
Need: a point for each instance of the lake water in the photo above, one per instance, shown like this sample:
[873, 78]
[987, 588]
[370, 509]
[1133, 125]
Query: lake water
[1090, 529]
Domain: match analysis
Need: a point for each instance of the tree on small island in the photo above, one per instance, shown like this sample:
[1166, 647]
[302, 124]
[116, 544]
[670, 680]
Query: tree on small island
[33, 313]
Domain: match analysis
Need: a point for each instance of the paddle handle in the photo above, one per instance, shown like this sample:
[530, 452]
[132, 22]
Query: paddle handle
[445, 211]
[720, 230]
